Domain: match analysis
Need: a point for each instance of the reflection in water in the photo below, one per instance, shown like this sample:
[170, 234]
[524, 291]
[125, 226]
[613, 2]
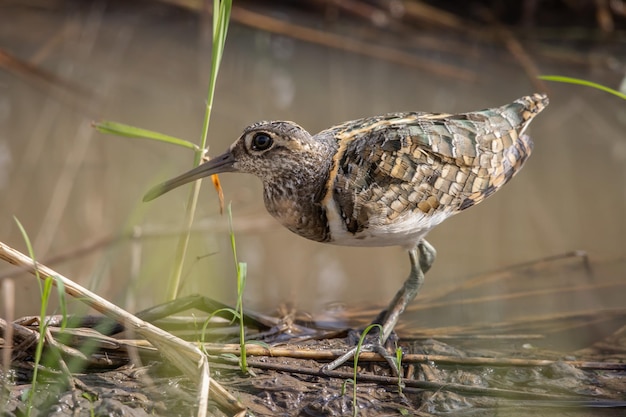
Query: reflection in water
[150, 71]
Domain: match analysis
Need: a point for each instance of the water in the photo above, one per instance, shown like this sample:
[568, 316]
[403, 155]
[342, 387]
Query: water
[71, 186]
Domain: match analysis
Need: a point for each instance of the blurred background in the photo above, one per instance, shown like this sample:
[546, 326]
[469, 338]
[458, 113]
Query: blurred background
[65, 64]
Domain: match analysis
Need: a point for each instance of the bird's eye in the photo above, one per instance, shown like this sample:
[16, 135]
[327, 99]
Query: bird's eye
[261, 142]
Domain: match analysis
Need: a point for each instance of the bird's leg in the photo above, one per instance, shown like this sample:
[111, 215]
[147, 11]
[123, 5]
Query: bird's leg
[422, 257]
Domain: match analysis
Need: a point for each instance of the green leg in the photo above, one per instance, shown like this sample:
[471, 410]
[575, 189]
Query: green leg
[422, 257]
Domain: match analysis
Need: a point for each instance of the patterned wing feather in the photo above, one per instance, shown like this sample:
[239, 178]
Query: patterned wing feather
[431, 163]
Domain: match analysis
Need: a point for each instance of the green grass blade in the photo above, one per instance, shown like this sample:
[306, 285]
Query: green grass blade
[45, 297]
[355, 409]
[43, 307]
[221, 16]
[242, 269]
[259, 343]
[62, 301]
[578, 81]
[120, 129]
[206, 323]
[242, 273]
[31, 252]
[233, 245]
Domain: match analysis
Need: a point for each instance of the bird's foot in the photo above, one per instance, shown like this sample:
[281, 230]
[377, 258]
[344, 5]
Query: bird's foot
[371, 342]
[422, 257]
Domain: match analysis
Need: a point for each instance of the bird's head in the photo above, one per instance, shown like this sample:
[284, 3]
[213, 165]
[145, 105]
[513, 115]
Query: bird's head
[273, 151]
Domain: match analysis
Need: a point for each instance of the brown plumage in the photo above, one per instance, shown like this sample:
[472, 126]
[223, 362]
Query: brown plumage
[380, 181]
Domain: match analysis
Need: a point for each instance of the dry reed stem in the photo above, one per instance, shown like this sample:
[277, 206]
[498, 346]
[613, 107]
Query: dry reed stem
[42, 78]
[6, 332]
[270, 24]
[330, 354]
[377, 16]
[183, 355]
[423, 12]
[412, 383]
[273, 25]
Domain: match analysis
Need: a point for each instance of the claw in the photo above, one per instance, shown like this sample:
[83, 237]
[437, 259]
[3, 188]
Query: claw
[352, 354]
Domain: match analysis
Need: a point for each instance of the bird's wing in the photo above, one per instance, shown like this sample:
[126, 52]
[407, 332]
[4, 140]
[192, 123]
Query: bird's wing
[462, 137]
[429, 161]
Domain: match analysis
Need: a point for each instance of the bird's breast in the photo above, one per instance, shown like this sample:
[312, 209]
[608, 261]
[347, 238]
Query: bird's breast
[299, 214]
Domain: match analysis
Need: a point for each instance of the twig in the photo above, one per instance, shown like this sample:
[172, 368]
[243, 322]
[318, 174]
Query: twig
[185, 356]
[410, 383]
[270, 24]
[273, 25]
[42, 78]
[330, 354]
[423, 12]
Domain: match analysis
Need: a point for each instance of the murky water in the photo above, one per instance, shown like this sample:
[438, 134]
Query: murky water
[70, 186]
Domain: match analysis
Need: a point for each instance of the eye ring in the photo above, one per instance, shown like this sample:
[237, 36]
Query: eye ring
[261, 141]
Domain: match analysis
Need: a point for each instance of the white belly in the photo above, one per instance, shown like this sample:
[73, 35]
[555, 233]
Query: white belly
[406, 230]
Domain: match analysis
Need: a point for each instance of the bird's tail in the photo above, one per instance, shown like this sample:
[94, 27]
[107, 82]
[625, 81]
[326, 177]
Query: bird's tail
[515, 156]
[531, 106]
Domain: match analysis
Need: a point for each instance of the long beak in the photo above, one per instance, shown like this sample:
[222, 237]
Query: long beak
[222, 163]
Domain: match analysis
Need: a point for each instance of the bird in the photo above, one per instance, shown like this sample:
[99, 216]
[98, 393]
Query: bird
[379, 181]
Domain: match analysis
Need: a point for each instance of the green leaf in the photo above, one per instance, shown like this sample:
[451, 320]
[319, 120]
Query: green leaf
[259, 343]
[31, 252]
[120, 129]
[221, 16]
[355, 409]
[62, 301]
[242, 273]
[229, 356]
[578, 81]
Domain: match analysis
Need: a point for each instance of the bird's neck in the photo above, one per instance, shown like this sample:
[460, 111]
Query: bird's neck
[294, 197]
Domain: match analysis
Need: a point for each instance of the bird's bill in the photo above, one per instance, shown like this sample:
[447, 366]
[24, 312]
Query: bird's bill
[218, 165]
